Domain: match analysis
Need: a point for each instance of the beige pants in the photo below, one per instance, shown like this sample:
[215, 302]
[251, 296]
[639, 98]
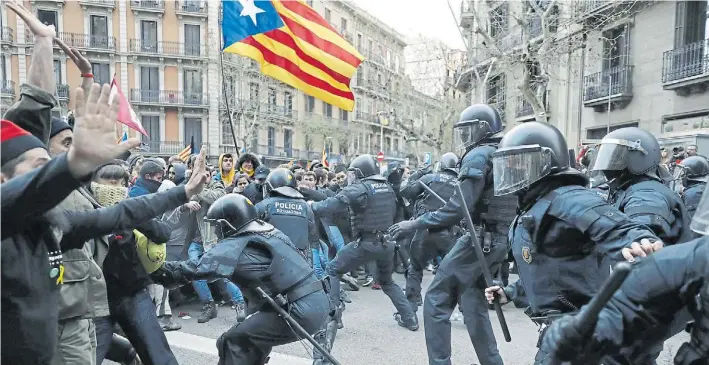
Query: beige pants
[76, 342]
[161, 298]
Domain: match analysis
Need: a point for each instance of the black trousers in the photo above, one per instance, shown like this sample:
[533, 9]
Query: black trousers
[425, 246]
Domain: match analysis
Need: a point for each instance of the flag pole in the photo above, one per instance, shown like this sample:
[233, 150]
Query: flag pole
[224, 90]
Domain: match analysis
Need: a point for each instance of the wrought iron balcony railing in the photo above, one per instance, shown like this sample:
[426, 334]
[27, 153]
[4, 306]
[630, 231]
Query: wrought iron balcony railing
[168, 147]
[62, 91]
[148, 4]
[685, 62]
[169, 97]
[165, 48]
[85, 41]
[615, 81]
[523, 108]
[8, 35]
[103, 3]
[7, 87]
[191, 7]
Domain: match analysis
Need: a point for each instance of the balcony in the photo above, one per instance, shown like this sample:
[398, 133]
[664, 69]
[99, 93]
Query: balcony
[364, 117]
[88, 41]
[524, 111]
[167, 148]
[165, 48]
[62, 92]
[107, 4]
[7, 89]
[686, 69]
[467, 17]
[7, 36]
[169, 98]
[597, 9]
[614, 86]
[191, 8]
[150, 6]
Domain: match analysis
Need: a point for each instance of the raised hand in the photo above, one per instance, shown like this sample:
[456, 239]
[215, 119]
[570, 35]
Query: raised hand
[36, 27]
[200, 176]
[94, 132]
[79, 60]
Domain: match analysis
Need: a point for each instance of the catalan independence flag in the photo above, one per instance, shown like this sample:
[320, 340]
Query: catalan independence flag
[325, 155]
[187, 152]
[294, 45]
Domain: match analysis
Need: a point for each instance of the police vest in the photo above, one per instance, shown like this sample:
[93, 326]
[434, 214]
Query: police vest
[444, 185]
[290, 216]
[556, 262]
[675, 228]
[287, 269]
[380, 211]
[692, 195]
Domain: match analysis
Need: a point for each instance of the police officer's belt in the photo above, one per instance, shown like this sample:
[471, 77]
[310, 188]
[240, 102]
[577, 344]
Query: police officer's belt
[300, 290]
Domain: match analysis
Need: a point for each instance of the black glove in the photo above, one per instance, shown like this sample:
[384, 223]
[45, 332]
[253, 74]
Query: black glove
[401, 228]
[561, 340]
[420, 173]
[170, 275]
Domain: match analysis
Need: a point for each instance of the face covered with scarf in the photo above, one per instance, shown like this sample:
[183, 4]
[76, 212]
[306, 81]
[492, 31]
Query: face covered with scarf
[109, 185]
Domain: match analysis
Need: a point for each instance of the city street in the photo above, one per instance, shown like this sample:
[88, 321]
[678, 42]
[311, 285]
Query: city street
[371, 336]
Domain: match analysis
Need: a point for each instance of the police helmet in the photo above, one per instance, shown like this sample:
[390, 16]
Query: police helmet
[477, 122]
[281, 181]
[230, 213]
[448, 161]
[628, 149]
[364, 166]
[394, 173]
[526, 154]
[696, 168]
[588, 157]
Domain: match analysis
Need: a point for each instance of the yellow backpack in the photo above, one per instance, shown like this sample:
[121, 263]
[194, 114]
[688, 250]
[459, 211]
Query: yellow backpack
[151, 254]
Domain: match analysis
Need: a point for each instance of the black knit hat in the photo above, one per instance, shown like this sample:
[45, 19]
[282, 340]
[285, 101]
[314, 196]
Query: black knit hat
[58, 125]
[14, 141]
[150, 167]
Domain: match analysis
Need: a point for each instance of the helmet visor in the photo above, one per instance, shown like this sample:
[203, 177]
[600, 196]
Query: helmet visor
[467, 135]
[519, 167]
[700, 221]
[612, 155]
[215, 231]
[351, 177]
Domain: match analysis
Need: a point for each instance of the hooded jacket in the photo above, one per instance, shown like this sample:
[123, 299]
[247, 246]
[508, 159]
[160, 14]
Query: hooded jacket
[247, 157]
[180, 170]
[226, 178]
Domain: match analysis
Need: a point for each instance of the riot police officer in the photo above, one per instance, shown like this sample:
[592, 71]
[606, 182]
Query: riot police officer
[655, 294]
[560, 227]
[696, 175]
[427, 244]
[373, 207]
[630, 159]
[253, 254]
[457, 278]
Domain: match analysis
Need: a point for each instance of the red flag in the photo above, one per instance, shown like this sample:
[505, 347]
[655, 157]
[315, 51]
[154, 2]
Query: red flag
[126, 115]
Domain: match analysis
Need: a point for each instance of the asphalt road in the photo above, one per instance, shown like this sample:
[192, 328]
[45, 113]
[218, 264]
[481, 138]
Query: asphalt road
[371, 336]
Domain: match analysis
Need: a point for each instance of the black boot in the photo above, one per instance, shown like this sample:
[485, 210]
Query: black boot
[209, 311]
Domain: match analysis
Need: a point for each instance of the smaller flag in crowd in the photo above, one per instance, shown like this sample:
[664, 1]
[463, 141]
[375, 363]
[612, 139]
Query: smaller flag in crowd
[126, 115]
[123, 138]
[187, 152]
[325, 155]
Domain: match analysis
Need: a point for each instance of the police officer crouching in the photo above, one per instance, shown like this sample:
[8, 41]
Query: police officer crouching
[560, 228]
[373, 207]
[630, 160]
[696, 175]
[253, 254]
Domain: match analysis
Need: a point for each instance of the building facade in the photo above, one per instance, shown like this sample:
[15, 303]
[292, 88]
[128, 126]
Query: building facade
[630, 63]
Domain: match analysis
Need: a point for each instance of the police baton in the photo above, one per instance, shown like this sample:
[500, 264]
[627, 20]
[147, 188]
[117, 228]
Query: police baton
[584, 322]
[300, 331]
[431, 191]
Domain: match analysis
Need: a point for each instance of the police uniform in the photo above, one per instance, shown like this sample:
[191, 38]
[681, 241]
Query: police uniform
[436, 241]
[295, 219]
[692, 195]
[252, 253]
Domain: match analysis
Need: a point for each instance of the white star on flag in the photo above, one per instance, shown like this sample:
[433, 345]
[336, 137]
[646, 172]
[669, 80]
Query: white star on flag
[250, 9]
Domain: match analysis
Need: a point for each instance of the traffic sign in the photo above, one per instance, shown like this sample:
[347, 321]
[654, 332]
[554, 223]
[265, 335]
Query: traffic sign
[427, 157]
[380, 156]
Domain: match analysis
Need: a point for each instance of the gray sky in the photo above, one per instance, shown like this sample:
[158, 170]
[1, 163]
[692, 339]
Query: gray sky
[431, 18]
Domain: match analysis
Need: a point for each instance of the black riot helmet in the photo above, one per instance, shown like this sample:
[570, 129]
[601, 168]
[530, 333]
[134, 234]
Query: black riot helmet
[449, 161]
[696, 168]
[230, 213]
[281, 181]
[477, 122]
[588, 157]
[363, 166]
[630, 149]
[394, 173]
[526, 154]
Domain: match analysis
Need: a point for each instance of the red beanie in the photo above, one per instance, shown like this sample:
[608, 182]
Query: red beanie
[14, 141]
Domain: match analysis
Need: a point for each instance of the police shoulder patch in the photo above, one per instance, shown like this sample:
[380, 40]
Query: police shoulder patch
[527, 254]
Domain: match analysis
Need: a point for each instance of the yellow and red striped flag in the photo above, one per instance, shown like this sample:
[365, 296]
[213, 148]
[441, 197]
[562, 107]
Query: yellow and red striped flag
[294, 45]
[185, 154]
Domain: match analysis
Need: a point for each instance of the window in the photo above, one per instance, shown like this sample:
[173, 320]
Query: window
[359, 41]
[48, 17]
[309, 104]
[288, 142]
[102, 73]
[193, 86]
[149, 84]
[271, 141]
[57, 72]
[370, 46]
[496, 93]
[310, 3]
[388, 57]
[328, 15]
[396, 62]
[227, 138]
[3, 60]
[615, 47]
[99, 31]
[271, 98]
[691, 22]
[327, 109]
[193, 128]
[396, 145]
[387, 143]
[149, 35]
[499, 21]
[600, 132]
[289, 104]
[192, 40]
[151, 123]
[254, 92]
[343, 115]
[343, 25]
[254, 140]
